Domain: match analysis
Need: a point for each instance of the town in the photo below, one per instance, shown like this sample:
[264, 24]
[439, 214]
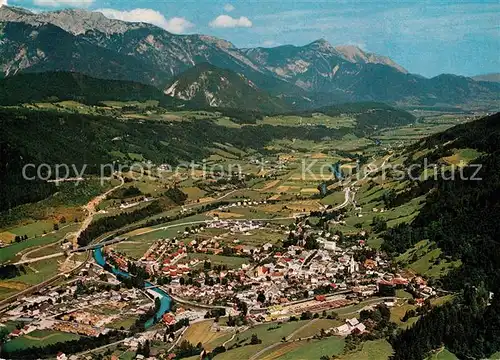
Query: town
[307, 272]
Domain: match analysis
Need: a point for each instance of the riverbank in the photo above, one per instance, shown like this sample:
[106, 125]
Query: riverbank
[165, 299]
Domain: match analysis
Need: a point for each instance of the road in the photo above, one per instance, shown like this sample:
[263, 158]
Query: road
[347, 200]
[351, 194]
[365, 303]
[30, 250]
[211, 201]
[34, 260]
[372, 170]
[91, 209]
[178, 339]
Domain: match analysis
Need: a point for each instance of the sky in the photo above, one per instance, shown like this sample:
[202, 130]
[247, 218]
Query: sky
[427, 37]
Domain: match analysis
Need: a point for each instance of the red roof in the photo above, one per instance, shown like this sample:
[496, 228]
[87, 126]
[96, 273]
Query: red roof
[399, 281]
[384, 282]
[169, 319]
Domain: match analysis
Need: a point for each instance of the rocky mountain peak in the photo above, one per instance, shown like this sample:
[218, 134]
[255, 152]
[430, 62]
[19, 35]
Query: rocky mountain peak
[15, 14]
[75, 21]
[352, 52]
[321, 45]
[355, 54]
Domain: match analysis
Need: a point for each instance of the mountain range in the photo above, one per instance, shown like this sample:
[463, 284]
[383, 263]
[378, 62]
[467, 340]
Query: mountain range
[309, 76]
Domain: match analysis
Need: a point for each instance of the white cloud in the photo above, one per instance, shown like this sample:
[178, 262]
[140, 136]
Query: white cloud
[55, 3]
[226, 21]
[269, 43]
[3, 2]
[177, 25]
[229, 7]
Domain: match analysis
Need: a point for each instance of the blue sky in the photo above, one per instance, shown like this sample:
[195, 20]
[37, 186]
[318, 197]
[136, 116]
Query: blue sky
[426, 37]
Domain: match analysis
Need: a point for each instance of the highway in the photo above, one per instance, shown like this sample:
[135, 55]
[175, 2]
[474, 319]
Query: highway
[181, 225]
[349, 198]
[91, 207]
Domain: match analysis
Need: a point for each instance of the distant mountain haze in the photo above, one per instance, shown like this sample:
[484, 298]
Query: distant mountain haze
[493, 77]
[306, 76]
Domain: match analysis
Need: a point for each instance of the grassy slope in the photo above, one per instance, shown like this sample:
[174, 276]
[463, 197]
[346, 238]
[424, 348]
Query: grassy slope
[39, 338]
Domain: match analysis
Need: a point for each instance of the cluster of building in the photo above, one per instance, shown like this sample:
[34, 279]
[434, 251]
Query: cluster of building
[295, 279]
[65, 308]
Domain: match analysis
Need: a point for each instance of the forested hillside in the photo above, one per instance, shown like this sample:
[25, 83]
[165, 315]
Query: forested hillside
[461, 216]
[370, 116]
[209, 86]
[59, 86]
[63, 138]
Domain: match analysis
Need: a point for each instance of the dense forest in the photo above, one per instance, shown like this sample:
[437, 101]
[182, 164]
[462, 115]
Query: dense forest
[370, 116]
[110, 223]
[461, 216]
[60, 86]
[469, 327]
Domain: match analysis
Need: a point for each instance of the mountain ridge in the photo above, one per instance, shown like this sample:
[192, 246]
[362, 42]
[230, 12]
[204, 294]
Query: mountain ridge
[306, 76]
[60, 86]
[75, 21]
[491, 77]
[356, 54]
[210, 86]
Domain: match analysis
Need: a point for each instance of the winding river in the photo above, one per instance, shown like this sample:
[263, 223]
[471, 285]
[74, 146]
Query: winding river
[165, 300]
